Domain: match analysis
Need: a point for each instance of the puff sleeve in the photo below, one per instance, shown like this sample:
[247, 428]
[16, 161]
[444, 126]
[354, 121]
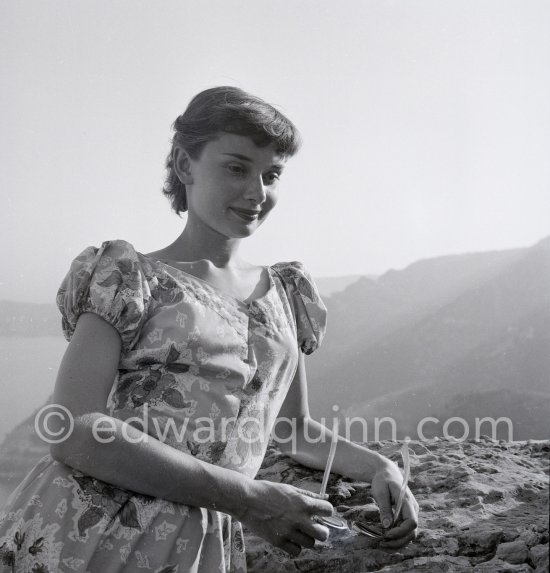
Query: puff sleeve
[309, 310]
[110, 282]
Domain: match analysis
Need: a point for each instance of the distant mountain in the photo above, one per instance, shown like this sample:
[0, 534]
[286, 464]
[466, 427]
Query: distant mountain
[464, 323]
[428, 410]
[330, 285]
[379, 307]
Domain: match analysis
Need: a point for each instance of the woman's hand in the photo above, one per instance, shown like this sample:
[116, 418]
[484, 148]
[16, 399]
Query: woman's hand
[284, 515]
[386, 486]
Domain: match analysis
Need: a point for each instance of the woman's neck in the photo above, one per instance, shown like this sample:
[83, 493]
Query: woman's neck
[198, 242]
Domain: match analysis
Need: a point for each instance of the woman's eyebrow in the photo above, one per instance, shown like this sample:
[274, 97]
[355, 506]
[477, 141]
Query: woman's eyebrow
[277, 166]
[239, 156]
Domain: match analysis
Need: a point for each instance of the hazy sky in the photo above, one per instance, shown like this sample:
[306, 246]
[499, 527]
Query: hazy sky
[426, 126]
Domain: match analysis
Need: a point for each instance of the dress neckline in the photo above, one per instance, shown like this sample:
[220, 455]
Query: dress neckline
[214, 287]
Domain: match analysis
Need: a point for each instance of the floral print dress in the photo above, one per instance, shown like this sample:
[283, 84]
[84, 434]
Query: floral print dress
[205, 373]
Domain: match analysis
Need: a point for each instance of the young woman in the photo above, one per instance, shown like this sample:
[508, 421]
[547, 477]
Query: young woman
[179, 363]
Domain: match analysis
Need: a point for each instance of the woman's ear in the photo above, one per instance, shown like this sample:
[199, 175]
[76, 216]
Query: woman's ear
[182, 165]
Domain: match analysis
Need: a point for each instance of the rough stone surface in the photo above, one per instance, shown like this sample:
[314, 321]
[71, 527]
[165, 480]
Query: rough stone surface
[514, 552]
[539, 554]
[483, 507]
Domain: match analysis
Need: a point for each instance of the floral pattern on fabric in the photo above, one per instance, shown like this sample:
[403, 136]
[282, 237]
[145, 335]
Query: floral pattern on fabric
[109, 283]
[311, 313]
[201, 371]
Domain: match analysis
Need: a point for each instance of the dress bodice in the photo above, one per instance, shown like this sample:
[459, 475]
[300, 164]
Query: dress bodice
[199, 369]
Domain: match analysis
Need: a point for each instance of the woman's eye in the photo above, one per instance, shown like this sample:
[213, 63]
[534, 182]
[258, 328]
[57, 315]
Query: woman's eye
[236, 169]
[270, 178]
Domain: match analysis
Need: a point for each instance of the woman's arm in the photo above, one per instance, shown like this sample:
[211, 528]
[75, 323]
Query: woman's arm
[131, 460]
[311, 444]
[142, 464]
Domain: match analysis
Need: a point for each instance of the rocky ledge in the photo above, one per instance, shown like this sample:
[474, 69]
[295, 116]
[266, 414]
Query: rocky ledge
[483, 507]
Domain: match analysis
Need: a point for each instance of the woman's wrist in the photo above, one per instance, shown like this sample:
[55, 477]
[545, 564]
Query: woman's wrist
[385, 464]
[237, 498]
[360, 463]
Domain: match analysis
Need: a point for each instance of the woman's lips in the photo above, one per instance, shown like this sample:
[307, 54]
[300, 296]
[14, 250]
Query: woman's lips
[246, 214]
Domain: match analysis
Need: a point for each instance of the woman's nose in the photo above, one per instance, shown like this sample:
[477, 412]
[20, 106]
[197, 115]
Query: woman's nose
[256, 190]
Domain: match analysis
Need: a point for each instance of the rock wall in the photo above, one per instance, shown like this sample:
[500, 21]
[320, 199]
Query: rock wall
[483, 507]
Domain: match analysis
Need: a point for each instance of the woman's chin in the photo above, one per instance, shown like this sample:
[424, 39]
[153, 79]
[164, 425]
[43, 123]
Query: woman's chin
[243, 231]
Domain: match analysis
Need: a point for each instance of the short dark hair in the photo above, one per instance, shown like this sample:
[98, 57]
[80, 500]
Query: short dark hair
[225, 109]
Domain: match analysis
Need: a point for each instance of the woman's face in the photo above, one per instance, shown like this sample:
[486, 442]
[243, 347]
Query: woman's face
[232, 186]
